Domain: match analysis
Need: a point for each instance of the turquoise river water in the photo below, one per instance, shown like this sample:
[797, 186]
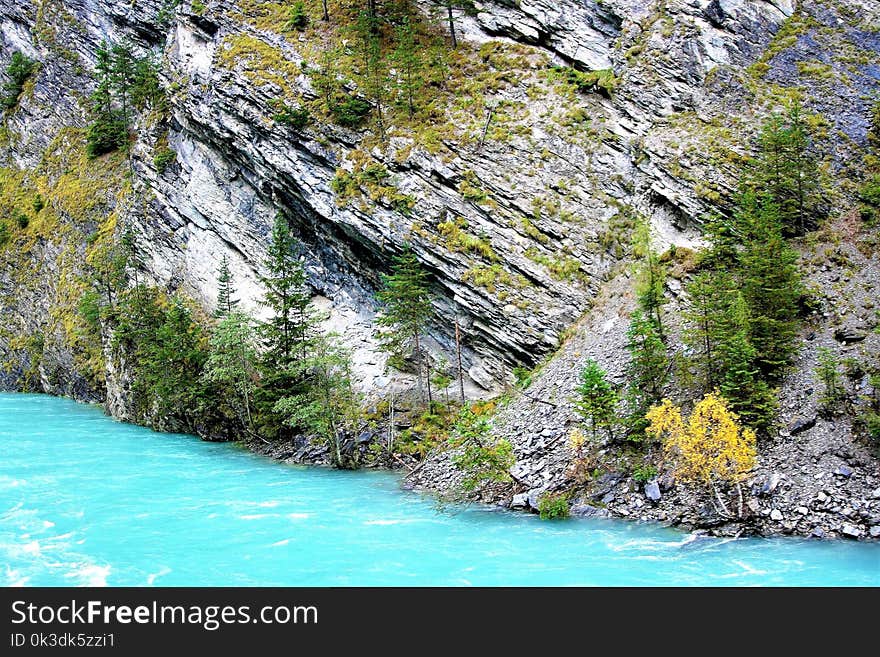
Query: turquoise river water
[85, 500]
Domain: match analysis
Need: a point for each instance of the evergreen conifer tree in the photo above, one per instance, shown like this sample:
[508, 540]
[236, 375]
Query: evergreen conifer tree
[647, 372]
[290, 330]
[226, 301]
[406, 308]
[326, 405]
[232, 364]
[597, 399]
[771, 286]
[409, 64]
[786, 170]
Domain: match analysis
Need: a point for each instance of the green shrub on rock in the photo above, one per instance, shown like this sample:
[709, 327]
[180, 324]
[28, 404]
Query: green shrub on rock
[553, 506]
[482, 460]
[295, 117]
[164, 158]
[351, 112]
[19, 71]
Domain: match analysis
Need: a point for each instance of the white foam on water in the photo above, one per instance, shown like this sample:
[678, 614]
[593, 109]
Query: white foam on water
[298, 516]
[644, 544]
[152, 577]
[89, 574]
[15, 578]
[750, 570]
[387, 522]
[280, 543]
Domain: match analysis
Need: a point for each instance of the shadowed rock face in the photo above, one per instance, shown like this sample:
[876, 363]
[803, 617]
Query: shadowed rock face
[551, 188]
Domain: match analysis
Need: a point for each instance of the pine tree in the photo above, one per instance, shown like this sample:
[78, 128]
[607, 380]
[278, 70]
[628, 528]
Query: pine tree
[146, 89]
[406, 308]
[298, 19]
[374, 76]
[232, 364]
[724, 237]
[409, 65]
[647, 372]
[833, 392]
[327, 405]
[771, 286]
[286, 333]
[324, 78]
[597, 399]
[19, 71]
[710, 297]
[740, 382]
[169, 354]
[649, 363]
[226, 301]
[109, 129]
[786, 170]
[123, 76]
[466, 5]
[290, 330]
[650, 288]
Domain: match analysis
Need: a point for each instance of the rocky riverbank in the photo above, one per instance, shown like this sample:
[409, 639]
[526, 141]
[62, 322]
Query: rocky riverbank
[816, 477]
[519, 195]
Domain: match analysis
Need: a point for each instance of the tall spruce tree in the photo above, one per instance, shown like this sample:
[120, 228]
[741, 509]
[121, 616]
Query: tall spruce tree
[710, 297]
[647, 371]
[597, 400]
[406, 308]
[649, 362]
[289, 331]
[374, 76]
[226, 301]
[771, 285]
[786, 170]
[232, 365]
[651, 283]
[108, 129]
[740, 380]
[124, 77]
[409, 64]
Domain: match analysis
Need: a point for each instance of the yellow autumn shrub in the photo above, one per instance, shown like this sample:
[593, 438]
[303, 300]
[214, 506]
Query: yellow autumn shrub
[708, 448]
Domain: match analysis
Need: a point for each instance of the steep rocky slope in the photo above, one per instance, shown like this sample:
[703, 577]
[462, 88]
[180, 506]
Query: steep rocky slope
[518, 191]
[813, 478]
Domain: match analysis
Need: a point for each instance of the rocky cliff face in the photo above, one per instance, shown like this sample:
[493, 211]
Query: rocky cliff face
[518, 191]
[545, 196]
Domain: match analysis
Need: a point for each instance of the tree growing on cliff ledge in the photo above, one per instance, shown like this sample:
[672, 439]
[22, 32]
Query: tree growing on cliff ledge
[108, 130]
[226, 301]
[19, 71]
[406, 307]
[708, 450]
[786, 170]
[289, 331]
[597, 399]
[124, 83]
